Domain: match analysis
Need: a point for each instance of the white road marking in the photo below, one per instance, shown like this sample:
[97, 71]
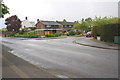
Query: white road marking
[63, 77]
[11, 51]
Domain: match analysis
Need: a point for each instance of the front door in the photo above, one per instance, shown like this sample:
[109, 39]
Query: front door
[47, 32]
[54, 31]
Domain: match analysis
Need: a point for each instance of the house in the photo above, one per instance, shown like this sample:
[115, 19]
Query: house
[67, 26]
[27, 23]
[4, 33]
[48, 27]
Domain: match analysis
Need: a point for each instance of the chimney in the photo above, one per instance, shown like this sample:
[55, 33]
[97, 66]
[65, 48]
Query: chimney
[38, 20]
[26, 18]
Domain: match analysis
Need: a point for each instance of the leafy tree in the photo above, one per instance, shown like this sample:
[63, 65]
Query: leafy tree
[76, 22]
[82, 19]
[13, 24]
[83, 26]
[64, 20]
[89, 21]
[98, 21]
[3, 9]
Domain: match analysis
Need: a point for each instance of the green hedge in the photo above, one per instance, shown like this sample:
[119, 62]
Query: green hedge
[27, 36]
[106, 32]
[54, 35]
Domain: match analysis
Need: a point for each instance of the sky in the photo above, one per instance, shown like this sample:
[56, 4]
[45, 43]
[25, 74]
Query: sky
[71, 10]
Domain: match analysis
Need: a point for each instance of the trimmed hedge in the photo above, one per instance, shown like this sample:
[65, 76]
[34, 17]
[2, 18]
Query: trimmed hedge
[54, 35]
[106, 32]
[27, 36]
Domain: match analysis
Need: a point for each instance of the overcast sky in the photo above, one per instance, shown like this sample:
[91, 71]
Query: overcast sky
[71, 10]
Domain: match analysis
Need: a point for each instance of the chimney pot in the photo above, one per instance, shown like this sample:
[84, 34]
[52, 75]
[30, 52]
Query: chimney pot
[38, 20]
[26, 18]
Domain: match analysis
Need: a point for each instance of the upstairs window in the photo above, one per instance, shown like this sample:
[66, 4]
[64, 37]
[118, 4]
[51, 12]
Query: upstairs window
[65, 26]
[70, 25]
[48, 25]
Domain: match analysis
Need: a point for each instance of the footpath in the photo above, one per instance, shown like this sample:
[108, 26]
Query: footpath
[97, 44]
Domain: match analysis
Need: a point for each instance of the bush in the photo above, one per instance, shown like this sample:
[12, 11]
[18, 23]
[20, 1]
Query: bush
[49, 35]
[65, 34]
[71, 33]
[57, 34]
[78, 35]
[32, 28]
[12, 34]
[31, 32]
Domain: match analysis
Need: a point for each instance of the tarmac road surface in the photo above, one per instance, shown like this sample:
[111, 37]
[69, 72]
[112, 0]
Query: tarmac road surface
[63, 57]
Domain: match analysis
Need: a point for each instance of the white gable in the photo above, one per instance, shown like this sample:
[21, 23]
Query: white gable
[27, 23]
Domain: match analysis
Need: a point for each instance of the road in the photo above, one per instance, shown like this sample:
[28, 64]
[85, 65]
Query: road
[15, 67]
[63, 57]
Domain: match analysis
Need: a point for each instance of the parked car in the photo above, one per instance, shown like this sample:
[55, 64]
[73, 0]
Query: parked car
[88, 34]
[42, 36]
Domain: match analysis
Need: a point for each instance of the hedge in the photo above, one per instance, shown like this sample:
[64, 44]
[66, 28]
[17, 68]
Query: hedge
[54, 35]
[27, 36]
[106, 32]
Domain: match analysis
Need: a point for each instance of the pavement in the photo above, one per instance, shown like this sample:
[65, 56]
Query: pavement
[97, 44]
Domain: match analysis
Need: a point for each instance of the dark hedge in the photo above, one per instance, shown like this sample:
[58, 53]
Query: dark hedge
[106, 32]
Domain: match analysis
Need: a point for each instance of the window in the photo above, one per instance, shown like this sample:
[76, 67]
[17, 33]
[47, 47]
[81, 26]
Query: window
[48, 25]
[70, 25]
[65, 26]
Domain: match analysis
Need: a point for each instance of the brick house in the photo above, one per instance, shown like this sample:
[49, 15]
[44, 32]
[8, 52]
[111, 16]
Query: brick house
[66, 26]
[48, 27]
[4, 33]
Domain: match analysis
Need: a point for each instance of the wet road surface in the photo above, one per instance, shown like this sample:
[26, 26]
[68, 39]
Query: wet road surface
[62, 56]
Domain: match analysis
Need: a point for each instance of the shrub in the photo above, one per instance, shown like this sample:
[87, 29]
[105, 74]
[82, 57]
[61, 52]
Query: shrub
[71, 33]
[32, 28]
[12, 34]
[31, 32]
[49, 35]
[65, 34]
[57, 34]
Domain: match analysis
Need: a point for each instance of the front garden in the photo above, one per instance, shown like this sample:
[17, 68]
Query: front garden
[32, 34]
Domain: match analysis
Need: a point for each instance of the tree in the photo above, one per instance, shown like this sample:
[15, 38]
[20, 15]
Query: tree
[83, 26]
[64, 20]
[13, 24]
[106, 28]
[3, 9]
[76, 22]
[89, 21]
[98, 21]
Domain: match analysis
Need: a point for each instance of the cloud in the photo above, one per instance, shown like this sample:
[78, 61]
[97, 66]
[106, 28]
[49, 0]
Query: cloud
[61, 9]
